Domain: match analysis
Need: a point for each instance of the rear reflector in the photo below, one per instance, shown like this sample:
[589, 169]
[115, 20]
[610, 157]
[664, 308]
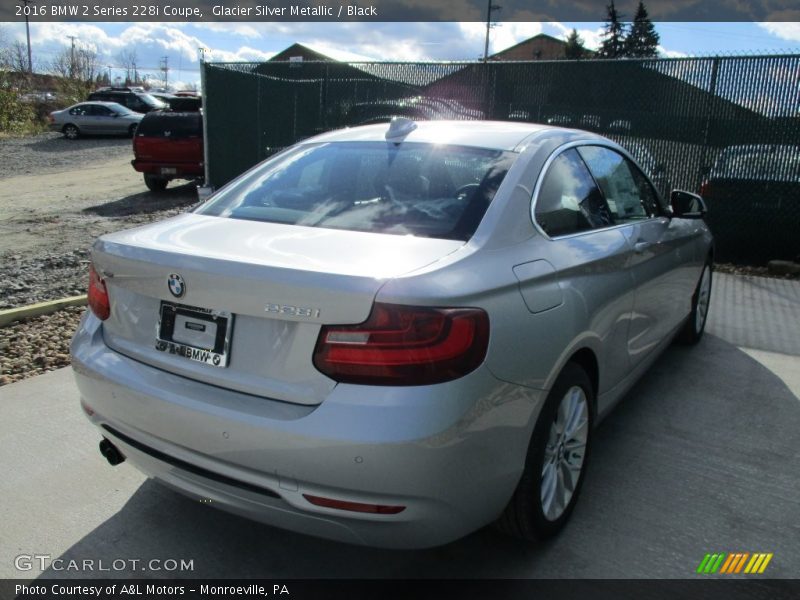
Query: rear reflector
[404, 345]
[376, 509]
[97, 296]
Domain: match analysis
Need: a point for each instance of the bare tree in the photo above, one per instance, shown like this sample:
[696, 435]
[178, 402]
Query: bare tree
[62, 63]
[3, 49]
[17, 58]
[88, 64]
[127, 60]
[78, 63]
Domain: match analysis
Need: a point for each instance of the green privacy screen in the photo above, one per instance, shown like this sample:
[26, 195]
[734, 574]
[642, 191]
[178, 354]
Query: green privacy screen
[726, 126]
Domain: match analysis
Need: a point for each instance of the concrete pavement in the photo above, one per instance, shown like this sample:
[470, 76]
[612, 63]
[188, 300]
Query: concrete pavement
[702, 456]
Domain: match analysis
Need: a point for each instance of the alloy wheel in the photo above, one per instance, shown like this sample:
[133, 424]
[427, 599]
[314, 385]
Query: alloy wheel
[703, 300]
[564, 453]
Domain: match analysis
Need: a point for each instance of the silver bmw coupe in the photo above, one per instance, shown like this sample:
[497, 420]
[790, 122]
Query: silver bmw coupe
[395, 334]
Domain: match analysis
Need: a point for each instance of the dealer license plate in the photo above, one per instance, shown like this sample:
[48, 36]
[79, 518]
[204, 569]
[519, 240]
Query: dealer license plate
[199, 334]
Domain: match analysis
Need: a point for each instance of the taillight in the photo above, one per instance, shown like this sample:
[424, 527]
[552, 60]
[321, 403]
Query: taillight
[705, 189]
[404, 345]
[98, 295]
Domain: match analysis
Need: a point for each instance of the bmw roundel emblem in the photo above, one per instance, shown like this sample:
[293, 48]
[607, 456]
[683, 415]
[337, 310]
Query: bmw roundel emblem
[176, 285]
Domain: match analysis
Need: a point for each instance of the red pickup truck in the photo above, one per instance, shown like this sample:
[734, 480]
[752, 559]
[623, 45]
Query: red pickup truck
[167, 146]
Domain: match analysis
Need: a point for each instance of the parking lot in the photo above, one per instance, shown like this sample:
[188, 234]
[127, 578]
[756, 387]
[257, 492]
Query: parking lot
[701, 456]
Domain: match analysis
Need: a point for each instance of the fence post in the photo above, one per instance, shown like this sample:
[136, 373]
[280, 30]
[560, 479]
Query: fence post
[206, 166]
[712, 91]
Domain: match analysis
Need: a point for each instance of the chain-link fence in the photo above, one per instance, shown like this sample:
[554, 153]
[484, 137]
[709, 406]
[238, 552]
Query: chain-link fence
[726, 126]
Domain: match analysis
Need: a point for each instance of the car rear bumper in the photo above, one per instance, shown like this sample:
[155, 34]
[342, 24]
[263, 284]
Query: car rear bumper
[451, 454]
[171, 170]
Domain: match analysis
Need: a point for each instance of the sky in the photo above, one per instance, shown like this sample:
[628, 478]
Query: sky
[255, 41]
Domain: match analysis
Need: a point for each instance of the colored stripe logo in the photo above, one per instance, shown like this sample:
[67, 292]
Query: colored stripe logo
[734, 563]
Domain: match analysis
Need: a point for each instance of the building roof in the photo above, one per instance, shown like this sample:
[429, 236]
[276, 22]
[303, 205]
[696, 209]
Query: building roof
[302, 51]
[538, 47]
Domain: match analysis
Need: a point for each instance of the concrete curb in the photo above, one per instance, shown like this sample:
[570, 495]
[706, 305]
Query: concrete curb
[41, 308]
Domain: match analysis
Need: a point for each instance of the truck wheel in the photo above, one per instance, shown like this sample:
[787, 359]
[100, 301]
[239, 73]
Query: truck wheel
[155, 184]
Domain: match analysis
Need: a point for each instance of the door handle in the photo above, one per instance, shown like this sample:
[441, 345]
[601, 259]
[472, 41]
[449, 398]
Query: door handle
[640, 247]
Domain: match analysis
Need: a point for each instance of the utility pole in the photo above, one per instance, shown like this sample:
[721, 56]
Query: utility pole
[72, 57]
[165, 68]
[489, 9]
[28, 34]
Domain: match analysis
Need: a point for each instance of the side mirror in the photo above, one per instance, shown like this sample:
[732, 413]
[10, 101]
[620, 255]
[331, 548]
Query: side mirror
[686, 205]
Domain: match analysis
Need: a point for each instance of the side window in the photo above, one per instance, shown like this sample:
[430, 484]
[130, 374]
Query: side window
[569, 200]
[650, 201]
[627, 192]
[79, 110]
[100, 111]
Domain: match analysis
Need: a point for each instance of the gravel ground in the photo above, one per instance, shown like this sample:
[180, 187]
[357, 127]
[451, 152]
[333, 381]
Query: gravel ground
[37, 345]
[52, 152]
[56, 197]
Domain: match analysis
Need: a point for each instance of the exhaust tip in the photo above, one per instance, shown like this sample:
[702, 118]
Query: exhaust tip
[111, 452]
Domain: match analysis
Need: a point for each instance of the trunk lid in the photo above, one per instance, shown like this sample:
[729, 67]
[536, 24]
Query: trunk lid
[279, 284]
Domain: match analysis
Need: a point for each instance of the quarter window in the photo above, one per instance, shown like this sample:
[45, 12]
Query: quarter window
[569, 200]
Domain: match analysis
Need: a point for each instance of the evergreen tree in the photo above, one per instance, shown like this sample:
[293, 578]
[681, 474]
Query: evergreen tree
[643, 39]
[613, 45]
[574, 49]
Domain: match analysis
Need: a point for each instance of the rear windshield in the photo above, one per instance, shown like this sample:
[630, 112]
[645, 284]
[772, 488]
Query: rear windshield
[152, 101]
[405, 189]
[169, 124]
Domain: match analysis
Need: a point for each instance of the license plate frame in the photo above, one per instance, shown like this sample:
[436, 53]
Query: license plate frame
[211, 330]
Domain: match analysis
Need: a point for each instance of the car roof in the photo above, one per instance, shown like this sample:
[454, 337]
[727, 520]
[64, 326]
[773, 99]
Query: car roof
[101, 103]
[500, 135]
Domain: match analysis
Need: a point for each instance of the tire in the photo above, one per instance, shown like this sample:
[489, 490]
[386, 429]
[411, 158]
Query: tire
[71, 132]
[696, 322]
[132, 130]
[536, 511]
[155, 184]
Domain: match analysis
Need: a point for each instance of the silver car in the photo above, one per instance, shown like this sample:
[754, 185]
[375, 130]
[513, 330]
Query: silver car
[392, 335]
[94, 118]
